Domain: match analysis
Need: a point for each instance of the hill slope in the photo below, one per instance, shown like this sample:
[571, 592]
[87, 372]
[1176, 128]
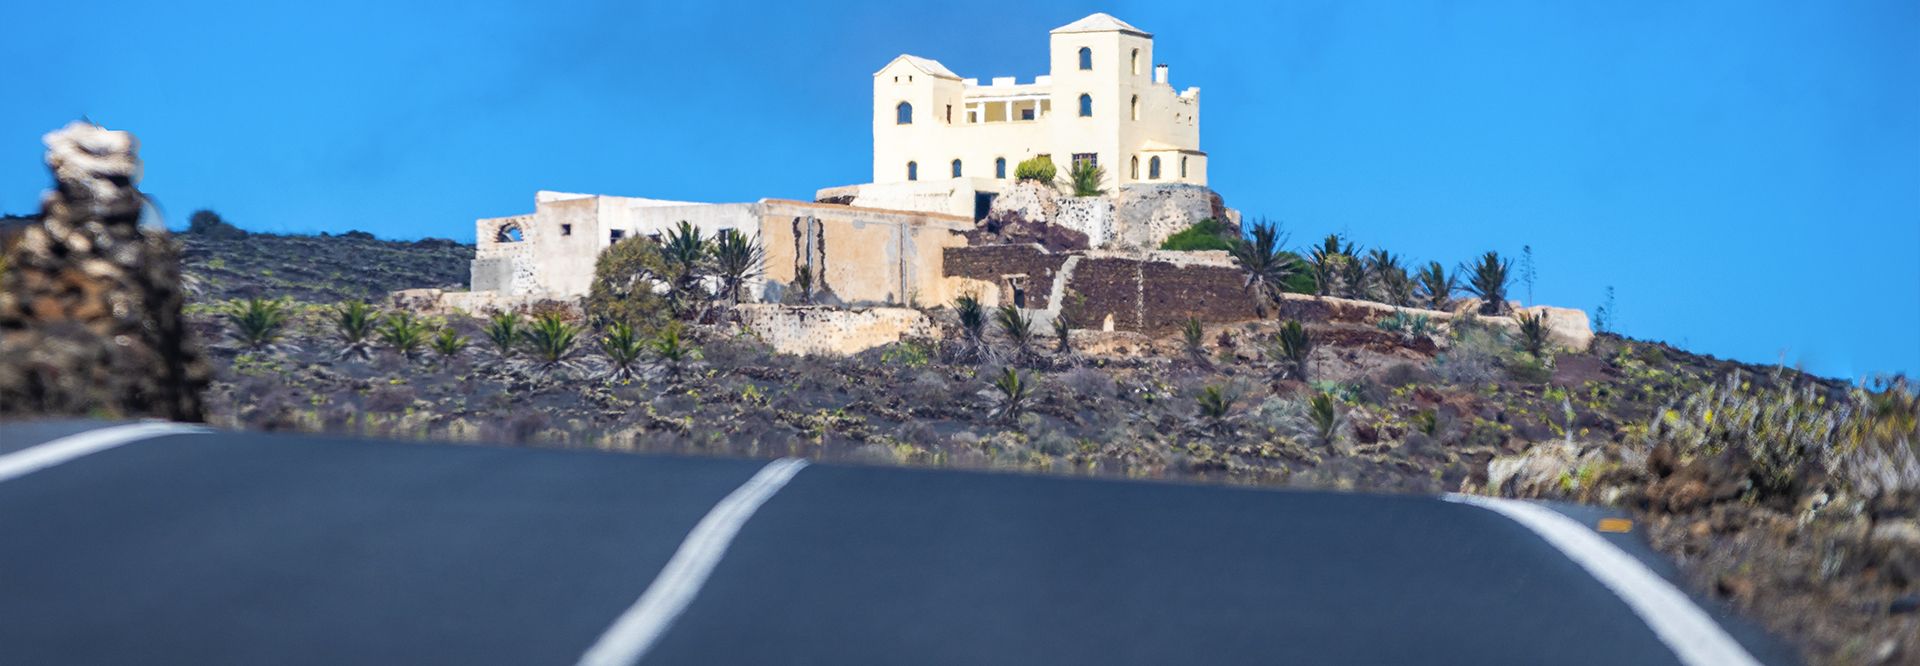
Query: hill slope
[318, 269]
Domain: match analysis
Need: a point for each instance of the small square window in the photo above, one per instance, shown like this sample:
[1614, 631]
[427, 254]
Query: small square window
[616, 235]
[566, 230]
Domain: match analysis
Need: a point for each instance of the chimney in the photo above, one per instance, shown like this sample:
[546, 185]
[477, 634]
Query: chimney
[1159, 73]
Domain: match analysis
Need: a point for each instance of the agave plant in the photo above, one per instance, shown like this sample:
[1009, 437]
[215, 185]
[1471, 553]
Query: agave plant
[623, 348]
[1194, 339]
[1323, 413]
[1015, 389]
[1215, 406]
[354, 322]
[973, 324]
[1294, 346]
[1533, 333]
[736, 259]
[258, 323]
[672, 350]
[1436, 287]
[1018, 327]
[1086, 179]
[504, 329]
[449, 343]
[404, 333]
[686, 250]
[551, 338]
[1267, 265]
[1488, 280]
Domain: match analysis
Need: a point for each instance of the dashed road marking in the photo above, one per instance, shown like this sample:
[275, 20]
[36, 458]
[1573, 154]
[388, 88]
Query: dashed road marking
[641, 626]
[1693, 636]
[1614, 525]
[41, 456]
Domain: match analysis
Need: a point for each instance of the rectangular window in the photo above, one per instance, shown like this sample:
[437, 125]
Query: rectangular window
[1089, 158]
[1026, 114]
[616, 235]
[566, 230]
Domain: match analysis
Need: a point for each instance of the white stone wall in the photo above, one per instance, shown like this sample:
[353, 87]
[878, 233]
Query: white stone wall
[1148, 214]
[1092, 216]
[826, 330]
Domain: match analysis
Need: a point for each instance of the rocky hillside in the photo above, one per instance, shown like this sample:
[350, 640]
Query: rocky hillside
[226, 265]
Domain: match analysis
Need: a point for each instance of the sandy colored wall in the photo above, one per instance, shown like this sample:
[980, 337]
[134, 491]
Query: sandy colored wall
[826, 330]
[863, 256]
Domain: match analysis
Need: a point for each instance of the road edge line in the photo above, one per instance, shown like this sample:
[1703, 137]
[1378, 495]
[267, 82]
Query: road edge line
[1682, 625]
[48, 454]
[637, 629]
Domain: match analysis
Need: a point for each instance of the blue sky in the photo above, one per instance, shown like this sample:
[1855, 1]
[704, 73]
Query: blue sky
[1745, 174]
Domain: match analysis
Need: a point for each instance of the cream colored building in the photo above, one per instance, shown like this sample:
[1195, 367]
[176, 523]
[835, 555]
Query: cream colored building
[1103, 99]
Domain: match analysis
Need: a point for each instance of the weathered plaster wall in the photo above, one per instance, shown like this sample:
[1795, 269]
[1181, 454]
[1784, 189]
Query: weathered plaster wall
[862, 256]
[827, 330]
[1146, 214]
[1092, 216]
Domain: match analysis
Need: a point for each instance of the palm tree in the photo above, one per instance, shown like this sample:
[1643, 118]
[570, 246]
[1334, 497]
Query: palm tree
[1293, 345]
[736, 259]
[551, 338]
[973, 324]
[1533, 333]
[1327, 261]
[1018, 327]
[1356, 277]
[685, 250]
[622, 347]
[671, 350]
[1488, 280]
[1014, 389]
[1086, 179]
[449, 343]
[1267, 265]
[1436, 287]
[504, 329]
[1395, 286]
[405, 333]
[258, 322]
[354, 321]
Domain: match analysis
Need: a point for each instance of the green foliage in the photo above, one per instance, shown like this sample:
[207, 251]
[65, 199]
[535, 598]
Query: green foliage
[622, 346]
[1392, 284]
[1015, 390]
[404, 333]
[1268, 268]
[1436, 287]
[1533, 333]
[258, 323]
[1488, 280]
[354, 323]
[624, 280]
[1207, 234]
[685, 250]
[973, 323]
[1018, 327]
[449, 343]
[672, 350]
[1063, 333]
[1530, 369]
[1324, 413]
[1426, 421]
[1039, 169]
[909, 353]
[504, 329]
[551, 339]
[1327, 262]
[1293, 346]
[1216, 405]
[1194, 338]
[1356, 277]
[736, 259]
[1086, 179]
[1411, 326]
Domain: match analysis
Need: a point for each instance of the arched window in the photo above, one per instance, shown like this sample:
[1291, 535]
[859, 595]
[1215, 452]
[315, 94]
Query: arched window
[1135, 106]
[1183, 166]
[956, 168]
[903, 114]
[1000, 167]
[1086, 106]
[1135, 62]
[1153, 168]
[1086, 58]
[1133, 168]
[508, 233]
[913, 171]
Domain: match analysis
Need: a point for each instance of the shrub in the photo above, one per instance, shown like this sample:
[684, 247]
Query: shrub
[908, 353]
[257, 323]
[354, 322]
[449, 343]
[736, 259]
[1207, 234]
[625, 277]
[1039, 168]
[1015, 389]
[551, 339]
[1488, 280]
[1292, 346]
[1018, 327]
[672, 350]
[209, 224]
[504, 329]
[1086, 179]
[623, 348]
[404, 333]
[1533, 333]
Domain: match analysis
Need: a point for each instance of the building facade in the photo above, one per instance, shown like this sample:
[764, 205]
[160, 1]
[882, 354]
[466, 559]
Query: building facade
[1102, 100]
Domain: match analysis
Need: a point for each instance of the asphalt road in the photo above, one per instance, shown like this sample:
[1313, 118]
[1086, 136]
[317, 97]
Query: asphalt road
[247, 549]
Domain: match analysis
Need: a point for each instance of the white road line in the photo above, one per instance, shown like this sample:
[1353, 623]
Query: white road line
[1695, 638]
[41, 456]
[636, 630]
